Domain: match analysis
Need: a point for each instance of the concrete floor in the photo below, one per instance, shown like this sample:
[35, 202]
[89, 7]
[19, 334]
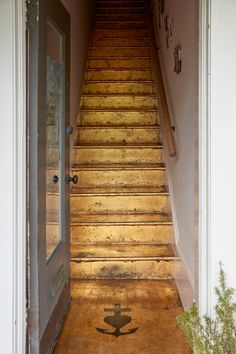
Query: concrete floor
[154, 306]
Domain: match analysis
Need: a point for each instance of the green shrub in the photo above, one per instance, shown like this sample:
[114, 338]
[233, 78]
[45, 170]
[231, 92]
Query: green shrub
[212, 336]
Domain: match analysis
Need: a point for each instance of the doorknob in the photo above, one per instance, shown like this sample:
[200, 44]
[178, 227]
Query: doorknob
[73, 179]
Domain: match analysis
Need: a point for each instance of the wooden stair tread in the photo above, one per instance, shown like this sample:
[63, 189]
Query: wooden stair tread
[80, 251]
[117, 146]
[127, 218]
[120, 127]
[120, 166]
[129, 190]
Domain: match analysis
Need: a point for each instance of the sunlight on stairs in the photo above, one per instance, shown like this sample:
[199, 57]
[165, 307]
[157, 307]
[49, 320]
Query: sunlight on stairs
[120, 211]
[121, 223]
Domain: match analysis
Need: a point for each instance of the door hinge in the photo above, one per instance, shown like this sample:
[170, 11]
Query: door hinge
[28, 319]
[32, 13]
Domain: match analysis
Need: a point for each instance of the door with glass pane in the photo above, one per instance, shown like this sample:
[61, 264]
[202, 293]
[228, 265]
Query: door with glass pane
[48, 98]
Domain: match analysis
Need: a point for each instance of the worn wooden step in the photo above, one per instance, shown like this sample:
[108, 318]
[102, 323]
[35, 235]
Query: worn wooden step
[121, 17]
[137, 251]
[114, 87]
[103, 52]
[119, 218]
[119, 177]
[121, 190]
[123, 268]
[120, 42]
[115, 203]
[117, 33]
[125, 63]
[95, 233]
[124, 176]
[104, 25]
[119, 101]
[120, 10]
[117, 154]
[118, 117]
[131, 177]
[124, 17]
[118, 135]
[111, 3]
[119, 75]
[97, 203]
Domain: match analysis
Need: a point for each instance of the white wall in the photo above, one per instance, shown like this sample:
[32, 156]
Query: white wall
[81, 13]
[222, 141]
[12, 177]
[182, 98]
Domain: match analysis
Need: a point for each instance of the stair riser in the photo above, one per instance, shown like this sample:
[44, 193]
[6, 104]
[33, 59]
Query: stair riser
[113, 204]
[119, 52]
[110, 4]
[102, 234]
[120, 42]
[119, 118]
[119, 75]
[122, 270]
[119, 155]
[119, 102]
[116, 203]
[130, 218]
[121, 178]
[114, 178]
[131, 63]
[120, 25]
[120, 10]
[119, 88]
[129, 135]
[120, 34]
[120, 17]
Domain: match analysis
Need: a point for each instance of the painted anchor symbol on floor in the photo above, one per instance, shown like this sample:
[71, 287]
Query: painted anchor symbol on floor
[117, 321]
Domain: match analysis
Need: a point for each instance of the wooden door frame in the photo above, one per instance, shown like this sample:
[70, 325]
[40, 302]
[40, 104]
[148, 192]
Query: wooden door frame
[13, 252]
[13, 178]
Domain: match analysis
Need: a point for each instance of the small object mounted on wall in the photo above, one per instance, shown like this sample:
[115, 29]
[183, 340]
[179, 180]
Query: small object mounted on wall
[178, 59]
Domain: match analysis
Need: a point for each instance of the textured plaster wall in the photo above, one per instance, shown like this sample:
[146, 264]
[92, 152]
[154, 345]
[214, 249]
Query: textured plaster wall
[182, 98]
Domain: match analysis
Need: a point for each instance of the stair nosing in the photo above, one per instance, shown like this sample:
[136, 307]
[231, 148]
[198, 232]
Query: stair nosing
[124, 127]
[121, 223]
[133, 110]
[116, 194]
[118, 69]
[119, 95]
[125, 258]
[111, 38]
[120, 58]
[117, 146]
[118, 47]
[116, 168]
[118, 81]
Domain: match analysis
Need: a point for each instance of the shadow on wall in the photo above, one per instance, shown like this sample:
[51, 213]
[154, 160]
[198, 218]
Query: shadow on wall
[81, 13]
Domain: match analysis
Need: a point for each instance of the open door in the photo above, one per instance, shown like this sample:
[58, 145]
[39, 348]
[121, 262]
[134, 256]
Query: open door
[48, 107]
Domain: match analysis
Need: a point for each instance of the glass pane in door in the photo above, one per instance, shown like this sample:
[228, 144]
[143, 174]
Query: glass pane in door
[55, 99]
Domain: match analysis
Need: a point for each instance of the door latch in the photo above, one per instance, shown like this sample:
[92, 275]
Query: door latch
[55, 179]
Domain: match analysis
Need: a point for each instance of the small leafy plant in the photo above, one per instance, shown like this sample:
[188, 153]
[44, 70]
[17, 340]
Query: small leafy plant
[212, 336]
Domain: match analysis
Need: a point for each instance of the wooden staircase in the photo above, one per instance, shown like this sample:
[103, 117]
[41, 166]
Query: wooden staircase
[121, 223]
